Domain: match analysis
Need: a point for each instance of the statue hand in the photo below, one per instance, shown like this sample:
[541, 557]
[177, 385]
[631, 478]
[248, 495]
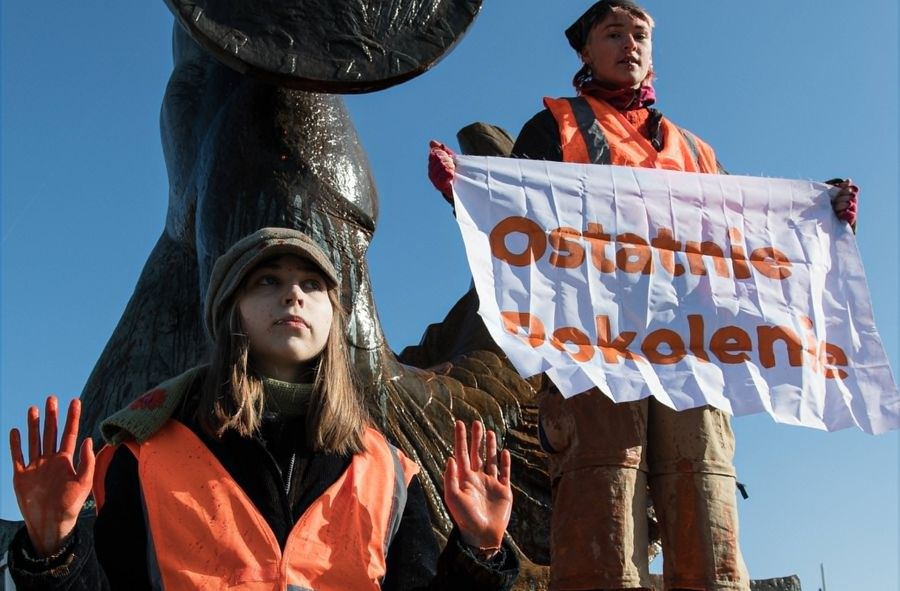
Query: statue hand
[441, 169]
[478, 494]
[49, 490]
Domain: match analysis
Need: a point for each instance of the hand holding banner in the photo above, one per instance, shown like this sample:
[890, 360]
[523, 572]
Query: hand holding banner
[744, 293]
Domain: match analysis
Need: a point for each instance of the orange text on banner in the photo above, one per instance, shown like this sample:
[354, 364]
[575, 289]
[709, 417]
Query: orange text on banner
[729, 344]
[634, 254]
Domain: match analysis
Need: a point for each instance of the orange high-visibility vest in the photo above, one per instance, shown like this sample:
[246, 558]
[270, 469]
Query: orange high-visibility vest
[206, 533]
[592, 131]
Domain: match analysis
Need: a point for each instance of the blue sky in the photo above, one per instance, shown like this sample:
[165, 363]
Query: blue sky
[805, 89]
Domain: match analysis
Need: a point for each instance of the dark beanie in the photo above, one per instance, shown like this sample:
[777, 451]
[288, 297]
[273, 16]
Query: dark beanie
[577, 34]
[230, 269]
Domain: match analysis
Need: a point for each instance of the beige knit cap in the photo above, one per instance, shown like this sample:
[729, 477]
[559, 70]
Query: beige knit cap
[231, 268]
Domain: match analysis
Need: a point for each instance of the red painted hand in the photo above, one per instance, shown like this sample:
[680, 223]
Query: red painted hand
[844, 203]
[478, 493]
[441, 169]
[49, 490]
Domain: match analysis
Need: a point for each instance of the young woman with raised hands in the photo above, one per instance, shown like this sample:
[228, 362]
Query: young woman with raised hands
[260, 470]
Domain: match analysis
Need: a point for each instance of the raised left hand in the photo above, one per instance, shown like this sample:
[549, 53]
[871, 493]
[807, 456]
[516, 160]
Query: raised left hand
[478, 492]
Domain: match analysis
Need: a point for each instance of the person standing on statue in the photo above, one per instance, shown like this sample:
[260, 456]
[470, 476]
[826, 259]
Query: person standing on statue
[604, 456]
[260, 470]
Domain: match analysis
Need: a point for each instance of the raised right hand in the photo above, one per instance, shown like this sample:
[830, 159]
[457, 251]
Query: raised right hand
[441, 169]
[844, 203]
[477, 491]
[49, 490]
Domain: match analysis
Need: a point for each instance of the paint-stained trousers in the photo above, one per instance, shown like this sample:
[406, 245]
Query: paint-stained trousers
[604, 457]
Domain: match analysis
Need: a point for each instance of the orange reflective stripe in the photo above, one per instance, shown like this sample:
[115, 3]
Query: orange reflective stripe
[206, 532]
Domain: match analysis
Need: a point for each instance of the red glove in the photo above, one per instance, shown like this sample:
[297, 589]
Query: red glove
[441, 169]
[845, 201]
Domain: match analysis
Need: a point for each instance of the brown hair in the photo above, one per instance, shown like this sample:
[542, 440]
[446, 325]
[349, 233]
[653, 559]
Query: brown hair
[232, 395]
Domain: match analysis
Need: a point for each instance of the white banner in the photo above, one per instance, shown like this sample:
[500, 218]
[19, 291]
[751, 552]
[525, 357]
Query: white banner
[744, 293]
